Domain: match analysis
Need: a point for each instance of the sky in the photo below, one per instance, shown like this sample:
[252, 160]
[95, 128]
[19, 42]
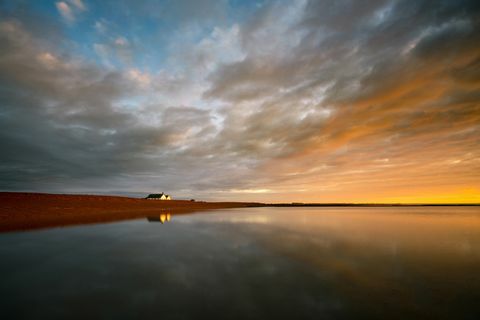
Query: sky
[273, 101]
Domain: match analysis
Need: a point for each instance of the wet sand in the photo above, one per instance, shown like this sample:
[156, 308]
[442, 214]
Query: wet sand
[27, 211]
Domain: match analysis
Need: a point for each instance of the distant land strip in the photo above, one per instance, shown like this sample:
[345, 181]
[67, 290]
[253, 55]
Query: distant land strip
[294, 204]
[28, 211]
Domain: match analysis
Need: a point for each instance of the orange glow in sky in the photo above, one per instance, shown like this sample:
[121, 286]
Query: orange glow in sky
[295, 101]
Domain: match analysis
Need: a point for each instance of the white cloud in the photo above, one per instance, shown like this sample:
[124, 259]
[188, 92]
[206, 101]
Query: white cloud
[142, 78]
[100, 27]
[48, 60]
[103, 52]
[121, 41]
[78, 4]
[65, 11]
[68, 10]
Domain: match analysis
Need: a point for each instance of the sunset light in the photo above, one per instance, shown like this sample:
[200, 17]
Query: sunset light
[240, 159]
[275, 101]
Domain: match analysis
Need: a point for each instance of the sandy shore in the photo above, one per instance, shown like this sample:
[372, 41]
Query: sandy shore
[26, 211]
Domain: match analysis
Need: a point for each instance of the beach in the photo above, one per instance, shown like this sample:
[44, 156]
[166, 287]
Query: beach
[27, 211]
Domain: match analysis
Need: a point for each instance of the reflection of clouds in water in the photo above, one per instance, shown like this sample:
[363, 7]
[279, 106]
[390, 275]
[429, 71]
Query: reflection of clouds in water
[368, 254]
[257, 263]
[227, 217]
[389, 230]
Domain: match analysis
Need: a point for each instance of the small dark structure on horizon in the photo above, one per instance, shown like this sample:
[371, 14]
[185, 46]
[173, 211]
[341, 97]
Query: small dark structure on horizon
[158, 196]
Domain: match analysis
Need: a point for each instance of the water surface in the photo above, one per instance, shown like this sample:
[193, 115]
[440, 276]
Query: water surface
[255, 263]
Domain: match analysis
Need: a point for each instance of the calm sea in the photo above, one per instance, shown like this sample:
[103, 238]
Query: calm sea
[256, 263]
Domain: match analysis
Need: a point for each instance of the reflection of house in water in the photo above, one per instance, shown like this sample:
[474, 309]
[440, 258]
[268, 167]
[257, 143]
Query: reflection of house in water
[161, 218]
[158, 196]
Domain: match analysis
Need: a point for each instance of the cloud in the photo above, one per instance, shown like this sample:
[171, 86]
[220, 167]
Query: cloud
[78, 4]
[75, 119]
[115, 50]
[374, 94]
[306, 99]
[70, 9]
[65, 11]
[101, 27]
[142, 78]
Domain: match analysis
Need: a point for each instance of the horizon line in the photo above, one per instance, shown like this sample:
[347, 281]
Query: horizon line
[280, 204]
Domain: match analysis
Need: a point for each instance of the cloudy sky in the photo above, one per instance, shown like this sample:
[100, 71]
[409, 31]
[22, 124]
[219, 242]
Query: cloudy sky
[321, 100]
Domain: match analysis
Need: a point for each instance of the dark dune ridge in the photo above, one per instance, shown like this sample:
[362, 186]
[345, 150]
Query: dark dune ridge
[27, 211]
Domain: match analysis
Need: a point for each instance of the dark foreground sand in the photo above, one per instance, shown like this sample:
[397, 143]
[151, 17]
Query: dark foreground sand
[26, 211]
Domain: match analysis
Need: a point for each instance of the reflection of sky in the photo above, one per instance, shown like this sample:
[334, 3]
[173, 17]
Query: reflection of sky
[434, 228]
[256, 263]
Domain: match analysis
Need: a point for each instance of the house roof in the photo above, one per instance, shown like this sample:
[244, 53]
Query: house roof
[157, 195]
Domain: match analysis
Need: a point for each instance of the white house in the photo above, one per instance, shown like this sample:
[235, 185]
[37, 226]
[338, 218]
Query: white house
[158, 196]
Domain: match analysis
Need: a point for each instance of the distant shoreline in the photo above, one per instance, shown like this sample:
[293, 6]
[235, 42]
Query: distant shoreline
[372, 204]
[27, 211]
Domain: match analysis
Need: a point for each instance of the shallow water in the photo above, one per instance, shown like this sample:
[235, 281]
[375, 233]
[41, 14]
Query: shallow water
[256, 263]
